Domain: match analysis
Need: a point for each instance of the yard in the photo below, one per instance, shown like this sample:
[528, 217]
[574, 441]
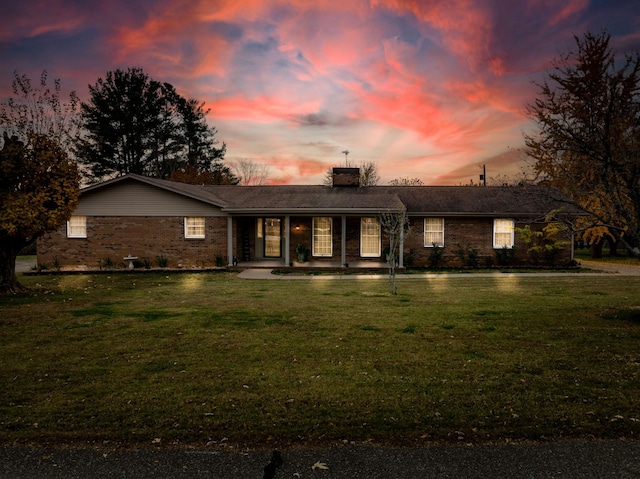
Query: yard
[207, 359]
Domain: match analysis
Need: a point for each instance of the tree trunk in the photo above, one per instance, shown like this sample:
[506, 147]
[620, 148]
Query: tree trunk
[8, 280]
[613, 245]
[596, 249]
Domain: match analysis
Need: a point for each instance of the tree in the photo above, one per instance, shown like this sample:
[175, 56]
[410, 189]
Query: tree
[38, 191]
[219, 174]
[38, 110]
[588, 139]
[250, 172]
[39, 183]
[134, 124]
[395, 224]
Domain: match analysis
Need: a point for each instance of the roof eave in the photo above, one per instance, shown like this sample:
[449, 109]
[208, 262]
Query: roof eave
[304, 211]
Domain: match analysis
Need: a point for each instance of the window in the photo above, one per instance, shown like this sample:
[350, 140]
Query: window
[194, 227]
[433, 232]
[503, 233]
[272, 237]
[260, 227]
[370, 239]
[77, 227]
[322, 239]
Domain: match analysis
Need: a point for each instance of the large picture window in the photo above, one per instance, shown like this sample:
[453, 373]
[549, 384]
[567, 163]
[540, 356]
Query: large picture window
[322, 237]
[503, 233]
[194, 227]
[370, 237]
[433, 232]
[77, 227]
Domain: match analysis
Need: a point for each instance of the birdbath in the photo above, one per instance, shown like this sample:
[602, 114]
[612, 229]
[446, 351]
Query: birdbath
[130, 259]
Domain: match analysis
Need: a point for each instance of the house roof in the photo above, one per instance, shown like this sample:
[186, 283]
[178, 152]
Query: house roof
[307, 199]
[318, 199]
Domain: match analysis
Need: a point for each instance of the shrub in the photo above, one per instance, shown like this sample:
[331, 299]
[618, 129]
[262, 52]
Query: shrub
[543, 246]
[469, 256]
[107, 263]
[162, 261]
[436, 256]
[505, 256]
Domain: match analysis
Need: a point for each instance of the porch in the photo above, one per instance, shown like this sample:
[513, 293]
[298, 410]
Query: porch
[337, 244]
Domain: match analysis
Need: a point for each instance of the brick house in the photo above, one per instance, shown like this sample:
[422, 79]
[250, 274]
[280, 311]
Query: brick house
[195, 226]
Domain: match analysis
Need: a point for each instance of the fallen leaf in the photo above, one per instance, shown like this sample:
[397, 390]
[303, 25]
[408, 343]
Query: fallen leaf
[319, 465]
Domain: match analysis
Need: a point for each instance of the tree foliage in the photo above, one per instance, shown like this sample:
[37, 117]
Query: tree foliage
[38, 110]
[39, 183]
[406, 181]
[544, 245]
[38, 191]
[218, 174]
[134, 124]
[588, 139]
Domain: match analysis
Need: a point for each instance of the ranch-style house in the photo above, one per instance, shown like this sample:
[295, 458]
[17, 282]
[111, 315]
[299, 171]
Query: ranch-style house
[134, 220]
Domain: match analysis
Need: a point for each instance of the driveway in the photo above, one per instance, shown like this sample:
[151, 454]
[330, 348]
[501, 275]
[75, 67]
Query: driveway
[25, 265]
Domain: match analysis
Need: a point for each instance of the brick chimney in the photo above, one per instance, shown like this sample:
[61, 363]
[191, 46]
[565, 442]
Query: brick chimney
[346, 177]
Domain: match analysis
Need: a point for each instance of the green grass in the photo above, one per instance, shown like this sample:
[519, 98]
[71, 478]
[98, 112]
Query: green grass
[623, 257]
[209, 359]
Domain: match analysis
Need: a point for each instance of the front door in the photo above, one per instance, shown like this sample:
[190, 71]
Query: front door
[272, 238]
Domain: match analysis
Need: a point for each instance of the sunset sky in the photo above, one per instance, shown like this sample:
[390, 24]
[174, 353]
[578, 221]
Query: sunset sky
[428, 89]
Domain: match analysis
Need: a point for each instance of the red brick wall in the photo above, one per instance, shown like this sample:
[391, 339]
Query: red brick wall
[144, 237]
[476, 233]
[148, 237]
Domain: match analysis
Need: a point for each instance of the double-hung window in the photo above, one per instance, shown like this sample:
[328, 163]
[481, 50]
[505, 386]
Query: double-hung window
[322, 238]
[77, 227]
[433, 232]
[194, 227]
[503, 233]
[370, 237]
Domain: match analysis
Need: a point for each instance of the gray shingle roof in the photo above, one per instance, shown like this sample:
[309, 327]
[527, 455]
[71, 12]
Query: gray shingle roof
[316, 199]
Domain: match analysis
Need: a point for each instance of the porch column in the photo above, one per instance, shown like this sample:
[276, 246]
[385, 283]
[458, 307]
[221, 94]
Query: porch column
[230, 240]
[343, 248]
[287, 240]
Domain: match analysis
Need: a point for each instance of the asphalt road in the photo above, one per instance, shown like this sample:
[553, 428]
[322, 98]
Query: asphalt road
[567, 460]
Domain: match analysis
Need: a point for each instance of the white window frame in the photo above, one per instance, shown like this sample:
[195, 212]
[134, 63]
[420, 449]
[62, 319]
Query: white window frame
[320, 237]
[194, 227]
[371, 230]
[430, 232]
[503, 229]
[77, 227]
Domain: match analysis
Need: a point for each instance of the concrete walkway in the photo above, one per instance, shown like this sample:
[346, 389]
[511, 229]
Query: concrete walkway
[598, 270]
[26, 265]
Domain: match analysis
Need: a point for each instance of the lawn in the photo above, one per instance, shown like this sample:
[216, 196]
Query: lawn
[207, 359]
